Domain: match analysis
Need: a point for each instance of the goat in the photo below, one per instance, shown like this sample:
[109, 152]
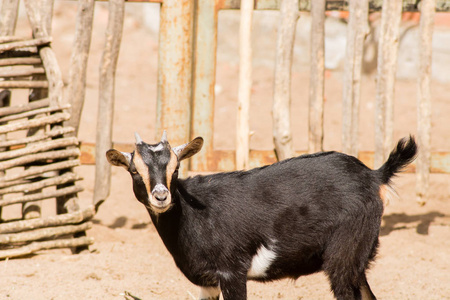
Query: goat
[318, 212]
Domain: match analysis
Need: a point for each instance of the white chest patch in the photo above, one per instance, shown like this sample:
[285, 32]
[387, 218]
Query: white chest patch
[261, 262]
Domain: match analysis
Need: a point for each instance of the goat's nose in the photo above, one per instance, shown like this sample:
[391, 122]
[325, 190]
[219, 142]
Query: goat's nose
[160, 192]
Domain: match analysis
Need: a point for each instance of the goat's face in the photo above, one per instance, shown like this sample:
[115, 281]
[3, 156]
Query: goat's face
[153, 168]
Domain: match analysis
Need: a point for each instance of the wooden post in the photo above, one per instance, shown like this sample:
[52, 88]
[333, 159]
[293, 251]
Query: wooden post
[387, 68]
[75, 92]
[424, 99]
[356, 33]
[281, 109]
[175, 72]
[204, 74]
[245, 85]
[316, 81]
[105, 114]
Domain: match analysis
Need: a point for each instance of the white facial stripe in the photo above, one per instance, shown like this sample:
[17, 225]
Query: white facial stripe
[261, 262]
[158, 147]
[142, 169]
[209, 293]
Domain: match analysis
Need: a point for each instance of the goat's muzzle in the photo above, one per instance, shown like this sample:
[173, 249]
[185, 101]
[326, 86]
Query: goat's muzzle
[160, 199]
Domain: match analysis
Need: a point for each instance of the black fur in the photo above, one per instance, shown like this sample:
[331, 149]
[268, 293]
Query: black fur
[319, 212]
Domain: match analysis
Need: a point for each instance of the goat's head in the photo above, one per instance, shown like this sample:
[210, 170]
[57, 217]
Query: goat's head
[153, 168]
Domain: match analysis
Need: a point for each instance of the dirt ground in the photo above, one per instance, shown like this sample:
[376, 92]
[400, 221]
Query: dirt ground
[128, 256]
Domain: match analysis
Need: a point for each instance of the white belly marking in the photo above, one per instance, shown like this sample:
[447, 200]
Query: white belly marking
[261, 262]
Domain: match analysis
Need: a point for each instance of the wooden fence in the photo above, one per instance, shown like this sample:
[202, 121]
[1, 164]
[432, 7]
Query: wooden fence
[189, 63]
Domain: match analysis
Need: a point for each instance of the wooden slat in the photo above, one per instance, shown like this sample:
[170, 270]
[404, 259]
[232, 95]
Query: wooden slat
[24, 44]
[24, 84]
[41, 196]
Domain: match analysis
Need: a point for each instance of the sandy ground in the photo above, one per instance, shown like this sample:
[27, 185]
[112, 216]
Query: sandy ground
[128, 256]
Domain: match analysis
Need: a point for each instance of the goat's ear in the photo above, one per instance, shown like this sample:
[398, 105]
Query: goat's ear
[189, 149]
[117, 158]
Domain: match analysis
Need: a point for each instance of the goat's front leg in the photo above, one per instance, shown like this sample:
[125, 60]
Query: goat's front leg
[209, 293]
[234, 287]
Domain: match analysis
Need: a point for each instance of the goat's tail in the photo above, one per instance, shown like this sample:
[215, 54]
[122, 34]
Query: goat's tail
[403, 154]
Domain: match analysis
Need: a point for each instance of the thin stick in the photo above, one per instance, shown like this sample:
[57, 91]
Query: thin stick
[4, 181]
[57, 220]
[21, 72]
[43, 233]
[51, 155]
[8, 18]
[245, 85]
[37, 138]
[41, 196]
[38, 246]
[20, 61]
[6, 111]
[27, 43]
[52, 119]
[29, 187]
[23, 84]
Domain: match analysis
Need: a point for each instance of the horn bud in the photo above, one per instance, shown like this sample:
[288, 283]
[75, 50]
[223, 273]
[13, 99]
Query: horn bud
[138, 138]
[164, 136]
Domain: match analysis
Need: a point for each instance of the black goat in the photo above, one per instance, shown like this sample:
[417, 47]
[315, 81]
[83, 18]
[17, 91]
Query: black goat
[311, 213]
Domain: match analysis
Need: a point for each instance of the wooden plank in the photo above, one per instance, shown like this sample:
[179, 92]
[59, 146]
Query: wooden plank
[424, 99]
[281, 107]
[386, 72]
[316, 81]
[356, 32]
[204, 77]
[105, 114]
[245, 85]
[175, 72]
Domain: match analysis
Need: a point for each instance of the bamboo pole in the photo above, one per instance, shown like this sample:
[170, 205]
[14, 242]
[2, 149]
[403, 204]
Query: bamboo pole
[316, 82]
[106, 100]
[57, 220]
[245, 85]
[204, 75]
[356, 31]
[8, 17]
[385, 89]
[175, 72]
[76, 89]
[424, 99]
[43, 233]
[39, 246]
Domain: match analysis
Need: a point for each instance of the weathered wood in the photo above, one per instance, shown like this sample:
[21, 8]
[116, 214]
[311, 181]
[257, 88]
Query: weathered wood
[5, 100]
[356, 31]
[245, 85]
[10, 110]
[24, 44]
[8, 17]
[316, 81]
[281, 107]
[52, 119]
[75, 92]
[39, 246]
[387, 68]
[23, 84]
[40, 147]
[39, 170]
[21, 72]
[339, 5]
[31, 113]
[175, 72]
[424, 99]
[27, 187]
[36, 138]
[57, 220]
[43, 233]
[42, 195]
[106, 100]
[59, 154]
[20, 61]
[204, 76]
